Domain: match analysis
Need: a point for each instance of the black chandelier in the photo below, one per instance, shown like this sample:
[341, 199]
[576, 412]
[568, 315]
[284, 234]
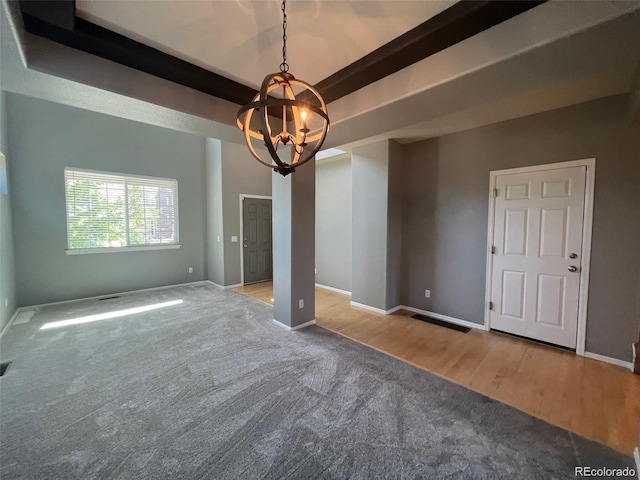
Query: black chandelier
[285, 113]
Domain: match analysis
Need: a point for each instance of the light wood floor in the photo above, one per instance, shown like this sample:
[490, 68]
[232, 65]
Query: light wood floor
[591, 398]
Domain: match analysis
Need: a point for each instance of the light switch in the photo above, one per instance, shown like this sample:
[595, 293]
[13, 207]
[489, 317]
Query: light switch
[234, 239]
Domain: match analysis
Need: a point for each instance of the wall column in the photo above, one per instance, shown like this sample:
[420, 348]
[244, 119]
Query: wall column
[294, 247]
[377, 225]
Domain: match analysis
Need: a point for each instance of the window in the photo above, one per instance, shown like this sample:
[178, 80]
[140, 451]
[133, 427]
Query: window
[108, 211]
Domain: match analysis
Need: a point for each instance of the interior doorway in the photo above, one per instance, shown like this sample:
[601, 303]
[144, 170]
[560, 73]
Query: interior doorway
[539, 252]
[256, 239]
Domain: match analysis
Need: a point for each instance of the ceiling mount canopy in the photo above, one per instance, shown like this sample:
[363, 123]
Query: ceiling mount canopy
[286, 112]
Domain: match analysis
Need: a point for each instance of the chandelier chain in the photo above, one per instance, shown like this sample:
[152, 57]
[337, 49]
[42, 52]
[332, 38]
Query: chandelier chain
[284, 66]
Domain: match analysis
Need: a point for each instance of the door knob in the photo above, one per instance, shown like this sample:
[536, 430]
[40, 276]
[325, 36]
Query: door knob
[246, 246]
[572, 269]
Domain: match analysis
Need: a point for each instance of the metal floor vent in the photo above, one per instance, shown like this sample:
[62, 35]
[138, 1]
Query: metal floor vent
[24, 317]
[440, 323]
[3, 368]
[109, 298]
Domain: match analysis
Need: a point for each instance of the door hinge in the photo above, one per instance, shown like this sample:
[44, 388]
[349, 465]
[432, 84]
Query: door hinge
[493, 249]
[495, 193]
[490, 305]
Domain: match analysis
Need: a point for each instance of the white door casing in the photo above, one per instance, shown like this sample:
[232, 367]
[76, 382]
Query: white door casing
[537, 224]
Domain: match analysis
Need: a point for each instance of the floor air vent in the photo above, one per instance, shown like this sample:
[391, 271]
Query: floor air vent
[440, 323]
[109, 298]
[3, 368]
[24, 317]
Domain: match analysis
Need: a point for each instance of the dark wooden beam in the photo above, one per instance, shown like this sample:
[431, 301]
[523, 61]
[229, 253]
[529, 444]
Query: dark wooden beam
[104, 43]
[56, 20]
[455, 24]
[61, 13]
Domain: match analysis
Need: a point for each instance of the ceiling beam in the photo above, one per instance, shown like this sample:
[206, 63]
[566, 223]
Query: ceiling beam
[56, 20]
[453, 25]
[61, 13]
[96, 40]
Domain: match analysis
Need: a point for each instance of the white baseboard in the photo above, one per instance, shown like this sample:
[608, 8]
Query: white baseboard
[374, 309]
[333, 289]
[297, 327]
[438, 316]
[446, 318]
[11, 320]
[614, 361]
[636, 455]
[223, 287]
[130, 292]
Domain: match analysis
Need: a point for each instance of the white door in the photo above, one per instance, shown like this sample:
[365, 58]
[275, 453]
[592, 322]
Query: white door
[537, 240]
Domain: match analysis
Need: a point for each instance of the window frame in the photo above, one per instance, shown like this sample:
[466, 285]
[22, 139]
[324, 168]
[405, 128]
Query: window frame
[126, 248]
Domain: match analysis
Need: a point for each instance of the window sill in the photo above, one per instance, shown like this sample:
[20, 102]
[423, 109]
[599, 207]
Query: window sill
[84, 251]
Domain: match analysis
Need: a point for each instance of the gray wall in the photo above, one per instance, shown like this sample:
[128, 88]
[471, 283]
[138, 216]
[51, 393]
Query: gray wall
[7, 278]
[215, 230]
[294, 239]
[394, 224]
[370, 168]
[446, 201]
[377, 224]
[241, 174]
[44, 138]
[333, 223]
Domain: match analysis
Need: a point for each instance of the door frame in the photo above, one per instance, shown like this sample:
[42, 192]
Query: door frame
[587, 227]
[241, 243]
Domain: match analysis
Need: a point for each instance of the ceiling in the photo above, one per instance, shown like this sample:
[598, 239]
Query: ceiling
[554, 55]
[242, 39]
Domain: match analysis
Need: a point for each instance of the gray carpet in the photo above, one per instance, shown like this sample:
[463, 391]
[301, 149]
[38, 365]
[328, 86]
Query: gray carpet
[212, 389]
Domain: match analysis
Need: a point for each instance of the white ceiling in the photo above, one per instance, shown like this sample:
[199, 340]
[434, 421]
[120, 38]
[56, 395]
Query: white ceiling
[242, 39]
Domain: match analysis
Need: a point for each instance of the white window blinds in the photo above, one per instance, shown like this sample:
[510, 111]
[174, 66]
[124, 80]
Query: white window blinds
[112, 210]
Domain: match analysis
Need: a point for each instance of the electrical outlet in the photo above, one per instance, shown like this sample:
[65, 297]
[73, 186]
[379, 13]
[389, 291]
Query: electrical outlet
[6, 302]
[190, 269]
[427, 293]
[234, 239]
[301, 303]
[218, 238]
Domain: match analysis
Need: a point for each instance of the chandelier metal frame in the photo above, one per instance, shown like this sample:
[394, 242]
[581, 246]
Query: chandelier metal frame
[294, 110]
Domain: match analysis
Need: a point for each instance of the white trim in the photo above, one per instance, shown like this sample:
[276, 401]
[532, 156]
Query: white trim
[446, 318]
[439, 316]
[123, 177]
[489, 267]
[12, 319]
[130, 292]
[297, 327]
[546, 166]
[333, 289]
[374, 309]
[120, 174]
[590, 164]
[393, 310]
[241, 243]
[636, 456]
[613, 361]
[585, 266]
[84, 251]
[223, 287]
